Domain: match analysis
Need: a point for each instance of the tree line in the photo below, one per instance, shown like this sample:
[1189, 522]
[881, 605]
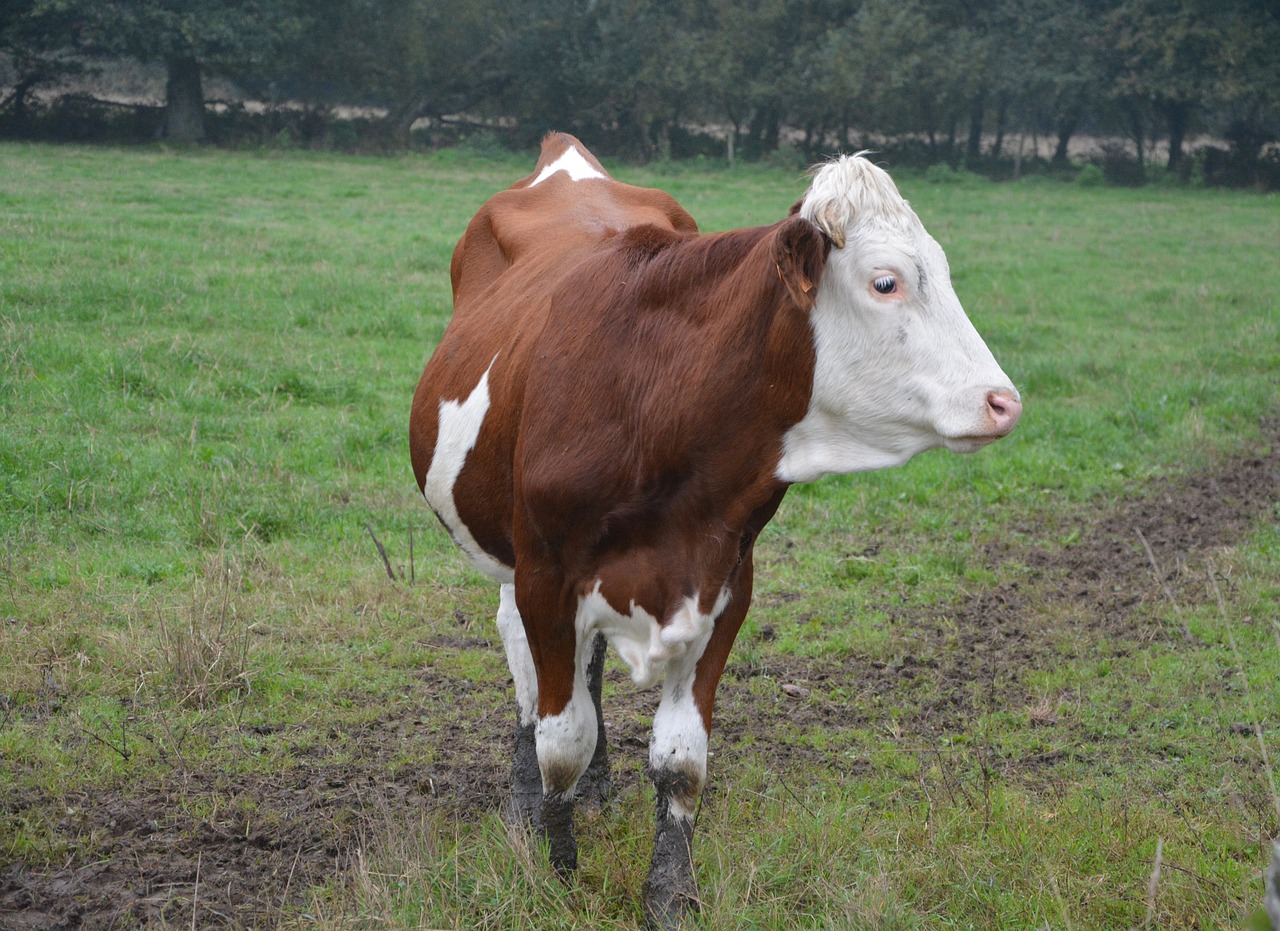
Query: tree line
[950, 81]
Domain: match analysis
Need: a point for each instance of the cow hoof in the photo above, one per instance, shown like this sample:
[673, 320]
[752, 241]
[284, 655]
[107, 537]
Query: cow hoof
[525, 805]
[595, 788]
[666, 908]
[566, 866]
[523, 809]
[557, 827]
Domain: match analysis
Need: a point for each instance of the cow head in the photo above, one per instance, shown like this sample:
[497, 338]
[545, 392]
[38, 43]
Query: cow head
[899, 368]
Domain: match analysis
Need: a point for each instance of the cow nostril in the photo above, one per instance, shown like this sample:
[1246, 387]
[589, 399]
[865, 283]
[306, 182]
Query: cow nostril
[1004, 410]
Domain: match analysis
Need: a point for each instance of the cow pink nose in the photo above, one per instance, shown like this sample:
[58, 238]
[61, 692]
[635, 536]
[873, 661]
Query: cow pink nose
[1004, 410]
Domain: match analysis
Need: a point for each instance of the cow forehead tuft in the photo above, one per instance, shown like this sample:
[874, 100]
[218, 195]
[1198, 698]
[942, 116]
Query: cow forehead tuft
[852, 188]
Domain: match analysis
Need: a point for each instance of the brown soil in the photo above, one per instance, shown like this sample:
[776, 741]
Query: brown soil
[146, 858]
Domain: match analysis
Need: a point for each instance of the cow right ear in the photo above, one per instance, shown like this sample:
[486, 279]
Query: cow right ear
[800, 252]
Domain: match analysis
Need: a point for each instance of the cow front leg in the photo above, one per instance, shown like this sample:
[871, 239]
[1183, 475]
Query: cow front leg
[526, 780]
[678, 768]
[566, 735]
[670, 889]
[678, 758]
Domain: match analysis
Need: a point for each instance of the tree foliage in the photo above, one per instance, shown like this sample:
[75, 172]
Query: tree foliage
[954, 80]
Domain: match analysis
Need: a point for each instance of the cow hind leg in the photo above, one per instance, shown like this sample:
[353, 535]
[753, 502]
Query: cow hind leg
[595, 788]
[525, 803]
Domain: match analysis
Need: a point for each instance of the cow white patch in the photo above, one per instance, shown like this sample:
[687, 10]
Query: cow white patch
[566, 741]
[643, 644]
[679, 741]
[573, 164]
[519, 659]
[459, 426]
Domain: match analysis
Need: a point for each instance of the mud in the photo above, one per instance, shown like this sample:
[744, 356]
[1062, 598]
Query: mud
[143, 857]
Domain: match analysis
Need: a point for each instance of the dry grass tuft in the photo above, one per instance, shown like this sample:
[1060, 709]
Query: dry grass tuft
[205, 653]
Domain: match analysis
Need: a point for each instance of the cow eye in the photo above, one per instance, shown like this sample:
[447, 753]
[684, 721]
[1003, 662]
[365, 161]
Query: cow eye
[885, 285]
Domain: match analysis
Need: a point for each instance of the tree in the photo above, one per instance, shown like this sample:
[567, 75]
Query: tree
[1247, 86]
[417, 58]
[749, 62]
[547, 52]
[648, 64]
[1045, 71]
[885, 54]
[1163, 60]
[34, 41]
[237, 38]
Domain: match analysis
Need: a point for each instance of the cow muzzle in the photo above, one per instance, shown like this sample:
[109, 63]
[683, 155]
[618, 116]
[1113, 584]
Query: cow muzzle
[1004, 407]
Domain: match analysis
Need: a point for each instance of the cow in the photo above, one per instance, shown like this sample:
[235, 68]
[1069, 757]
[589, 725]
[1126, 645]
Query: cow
[616, 410]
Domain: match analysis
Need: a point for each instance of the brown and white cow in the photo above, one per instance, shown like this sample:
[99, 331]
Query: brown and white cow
[619, 405]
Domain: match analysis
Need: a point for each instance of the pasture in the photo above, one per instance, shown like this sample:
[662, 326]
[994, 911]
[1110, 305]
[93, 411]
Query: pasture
[1034, 687]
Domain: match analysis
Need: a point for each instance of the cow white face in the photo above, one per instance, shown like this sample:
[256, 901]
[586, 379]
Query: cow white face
[899, 368]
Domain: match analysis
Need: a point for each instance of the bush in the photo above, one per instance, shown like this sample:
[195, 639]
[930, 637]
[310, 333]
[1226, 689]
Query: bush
[942, 173]
[1121, 169]
[787, 158]
[1090, 176]
[485, 144]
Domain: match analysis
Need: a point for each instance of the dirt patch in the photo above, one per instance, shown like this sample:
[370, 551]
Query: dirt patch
[155, 855]
[961, 659]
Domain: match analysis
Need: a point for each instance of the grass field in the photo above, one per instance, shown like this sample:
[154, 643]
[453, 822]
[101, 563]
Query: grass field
[1035, 687]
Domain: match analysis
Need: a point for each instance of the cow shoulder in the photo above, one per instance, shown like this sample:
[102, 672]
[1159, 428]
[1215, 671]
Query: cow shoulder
[668, 370]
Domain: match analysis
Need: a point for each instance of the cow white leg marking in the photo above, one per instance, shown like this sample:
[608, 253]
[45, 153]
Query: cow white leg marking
[573, 164]
[678, 767]
[526, 776]
[566, 744]
[459, 427]
[567, 740]
[519, 659]
[679, 741]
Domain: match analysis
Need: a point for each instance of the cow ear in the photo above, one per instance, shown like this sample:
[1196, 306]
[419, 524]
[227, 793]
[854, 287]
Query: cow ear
[800, 252]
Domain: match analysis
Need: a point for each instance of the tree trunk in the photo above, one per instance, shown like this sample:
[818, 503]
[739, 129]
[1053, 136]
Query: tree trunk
[973, 149]
[184, 101]
[765, 129]
[1137, 129]
[931, 128]
[18, 102]
[663, 139]
[1176, 113]
[1066, 129]
[772, 132]
[1002, 115]
[400, 119]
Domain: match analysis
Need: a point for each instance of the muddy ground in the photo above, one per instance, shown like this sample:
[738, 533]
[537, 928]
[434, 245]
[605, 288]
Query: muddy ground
[150, 856]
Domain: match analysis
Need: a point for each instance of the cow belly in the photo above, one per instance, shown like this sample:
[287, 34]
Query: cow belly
[459, 424]
[646, 646]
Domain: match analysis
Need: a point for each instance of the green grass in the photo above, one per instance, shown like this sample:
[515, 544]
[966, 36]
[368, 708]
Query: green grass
[206, 364]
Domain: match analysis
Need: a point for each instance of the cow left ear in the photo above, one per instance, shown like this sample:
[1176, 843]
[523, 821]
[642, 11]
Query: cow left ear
[800, 252]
